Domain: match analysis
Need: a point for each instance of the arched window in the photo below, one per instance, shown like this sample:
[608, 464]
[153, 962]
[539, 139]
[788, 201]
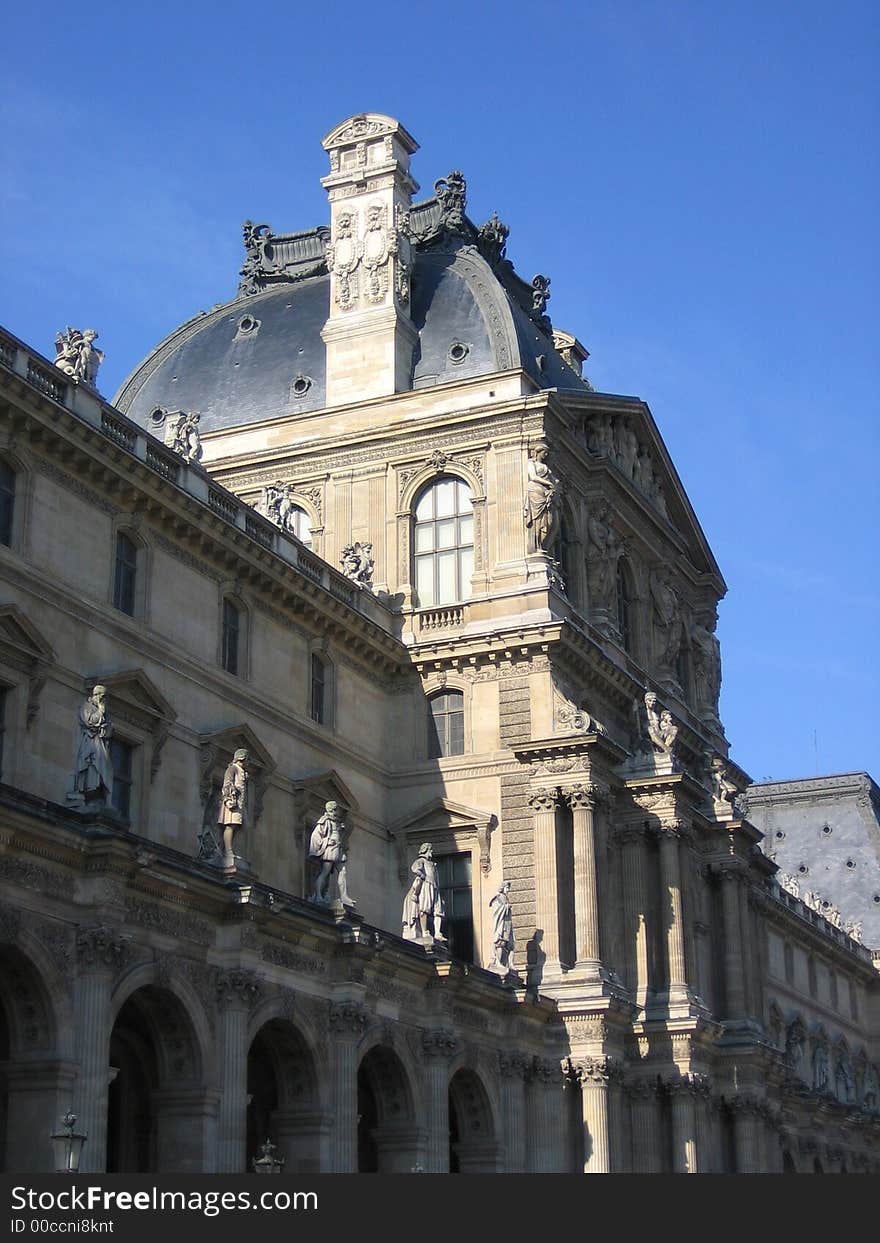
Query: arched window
[7, 502]
[299, 522]
[624, 605]
[446, 724]
[443, 543]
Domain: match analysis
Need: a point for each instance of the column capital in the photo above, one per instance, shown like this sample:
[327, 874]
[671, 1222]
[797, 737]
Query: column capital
[672, 828]
[544, 800]
[101, 947]
[641, 1089]
[512, 1065]
[347, 1018]
[594, 1071]
[544, 1070]
[239, 987]
[440, 1043]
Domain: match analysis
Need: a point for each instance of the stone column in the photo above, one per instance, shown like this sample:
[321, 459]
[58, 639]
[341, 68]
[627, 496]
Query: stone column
[707, 1159]
[544, 1133]
[582, 801]
[543, 805]
[747, 1135]
[595, 1075]
[750, 988]
[237, 992]
[100, 953]
[632, 841]
[684, 1126]
[512, 1071]
[733, 949]
[348, 1022]
[670, 873]
[645, 1131]
[438, 1048]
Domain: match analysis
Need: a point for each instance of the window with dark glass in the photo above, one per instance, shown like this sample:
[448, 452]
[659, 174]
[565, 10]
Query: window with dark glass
[122, 758]
[443, 543]
[231, 636]
[126, 574]
[624, 606]
[301, 523]
[683, 669]
[454, 882]
[7, 501]
[319, 690]
[446, 724]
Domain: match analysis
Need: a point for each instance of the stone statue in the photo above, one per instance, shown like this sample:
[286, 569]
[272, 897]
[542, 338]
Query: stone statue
[93, 769]
[76, 356]
[358, 564]
[794, 1048]
[423, 907]
[723, 789]
[844, 1084]
[327, 846]
[541, 508]
[627, 452]
[503, 940]
[667, 620]
[789, 883]
[644, 471]
[186, 438]
[232, 813]
[706, 656]
[853, 929]
[662, 730]
[820, 1068]
[604, 550]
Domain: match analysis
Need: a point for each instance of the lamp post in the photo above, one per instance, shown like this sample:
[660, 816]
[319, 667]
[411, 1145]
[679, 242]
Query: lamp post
[68, 1145]
[269, 1161]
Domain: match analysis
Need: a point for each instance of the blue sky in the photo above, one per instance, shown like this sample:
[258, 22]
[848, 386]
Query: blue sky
[699, 178]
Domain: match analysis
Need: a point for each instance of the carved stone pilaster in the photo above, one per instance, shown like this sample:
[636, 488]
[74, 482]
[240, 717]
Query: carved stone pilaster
[101, 947]
[347, 1018]
[439, 1043]
[239, 987]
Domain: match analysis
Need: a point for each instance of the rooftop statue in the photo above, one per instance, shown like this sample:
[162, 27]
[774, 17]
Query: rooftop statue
[358, 564]
[76, 356]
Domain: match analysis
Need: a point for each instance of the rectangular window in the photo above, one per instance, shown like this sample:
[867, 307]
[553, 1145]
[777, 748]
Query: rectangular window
[454, 880]
[318, 690]
[122, 759]
[7, 502]
[231, 633]
[446, 724]
[126, 572]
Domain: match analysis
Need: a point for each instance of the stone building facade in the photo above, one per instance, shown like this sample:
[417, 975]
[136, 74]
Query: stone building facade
[515, 666]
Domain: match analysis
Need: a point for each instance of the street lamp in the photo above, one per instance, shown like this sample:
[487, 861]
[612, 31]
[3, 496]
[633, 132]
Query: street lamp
[269, 1161]
[68, 1145]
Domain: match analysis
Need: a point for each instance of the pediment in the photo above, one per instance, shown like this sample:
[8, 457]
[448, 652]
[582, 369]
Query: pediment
[20, 640]
[133, 688]
[222, 743]
[366, 126]
[443, 813]
[327, 787]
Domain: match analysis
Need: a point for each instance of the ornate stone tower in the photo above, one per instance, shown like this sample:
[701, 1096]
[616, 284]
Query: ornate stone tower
[369, 334]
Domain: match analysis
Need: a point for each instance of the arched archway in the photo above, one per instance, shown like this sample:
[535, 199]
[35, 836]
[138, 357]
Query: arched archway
[284, 1099]
[36, 1081]
[389, 1140]
[158, 1113]
[473, 1143]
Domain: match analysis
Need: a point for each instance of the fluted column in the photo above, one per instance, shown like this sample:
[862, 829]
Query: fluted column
[237, 992]
[348, 1022]
[707, 1161]
[635, 911]
[750, 988]
[582, 801]
[645, 1127]
[747, 1135]
[595, 1076]
[544, 805]
[733, 949]
[512, 1071]
[684, 1126]
[544, 1119]
[670, 872]
[438, 1048]
[100, 953]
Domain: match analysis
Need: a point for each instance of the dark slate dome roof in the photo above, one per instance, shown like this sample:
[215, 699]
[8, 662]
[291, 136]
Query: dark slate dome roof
[261, 356]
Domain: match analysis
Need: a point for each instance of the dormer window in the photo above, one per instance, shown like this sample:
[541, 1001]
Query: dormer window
[443, 543]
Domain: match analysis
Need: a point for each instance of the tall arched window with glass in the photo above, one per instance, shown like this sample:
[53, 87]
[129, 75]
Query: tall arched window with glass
[443, 543]
[301, 524]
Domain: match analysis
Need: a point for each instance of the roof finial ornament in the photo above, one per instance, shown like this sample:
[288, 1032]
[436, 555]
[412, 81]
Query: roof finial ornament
[492, 239]
[540, 298]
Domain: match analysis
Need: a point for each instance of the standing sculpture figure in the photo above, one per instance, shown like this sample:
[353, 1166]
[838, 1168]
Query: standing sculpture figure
[662, 730]
[605, 549]
[93, 775]
[327, 845]
[232, 815]
[76, 356]
[706, 652]
[541, 507]
[503, 940]
[187, 439]
[423, 907]
[667, 620]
